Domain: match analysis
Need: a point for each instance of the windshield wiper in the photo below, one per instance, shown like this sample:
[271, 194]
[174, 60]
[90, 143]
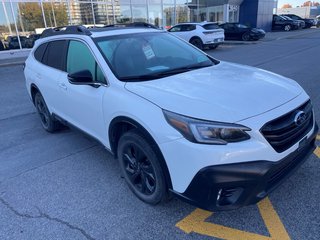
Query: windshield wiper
[164, 73]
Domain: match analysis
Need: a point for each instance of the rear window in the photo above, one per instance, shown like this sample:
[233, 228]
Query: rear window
[210, 26]
[55, 54]
[38, 54]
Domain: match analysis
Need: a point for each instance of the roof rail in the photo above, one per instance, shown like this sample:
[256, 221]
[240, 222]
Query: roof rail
[75, 29]
[134, 24]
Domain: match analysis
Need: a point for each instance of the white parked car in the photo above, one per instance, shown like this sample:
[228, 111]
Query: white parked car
[200, 34]
[218, 135]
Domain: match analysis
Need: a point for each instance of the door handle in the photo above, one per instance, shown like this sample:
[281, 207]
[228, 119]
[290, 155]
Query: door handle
[63, 86]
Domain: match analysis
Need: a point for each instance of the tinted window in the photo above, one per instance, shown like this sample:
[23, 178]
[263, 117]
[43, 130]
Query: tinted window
[38, 54]
[55, 54]
[188, 27]
[80, 58]
[175, 29]
[147, 56]
[183, 28]
[210, 26]
[241, 26]
[228, 26]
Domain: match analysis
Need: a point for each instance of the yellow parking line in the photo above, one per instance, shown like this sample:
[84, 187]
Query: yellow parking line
[272, 220]
[195, 222]
[317, 152]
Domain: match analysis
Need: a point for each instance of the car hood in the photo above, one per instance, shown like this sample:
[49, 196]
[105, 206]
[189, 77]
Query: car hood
[225, 92]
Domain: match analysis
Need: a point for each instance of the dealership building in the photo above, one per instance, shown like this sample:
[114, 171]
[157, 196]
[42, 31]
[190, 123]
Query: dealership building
[26, 17]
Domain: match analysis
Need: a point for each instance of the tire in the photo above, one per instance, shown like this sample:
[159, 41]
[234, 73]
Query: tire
[287, 28]
[140, 167]
[47, 121]
[245, 37]
[197, 42]
[213, 46]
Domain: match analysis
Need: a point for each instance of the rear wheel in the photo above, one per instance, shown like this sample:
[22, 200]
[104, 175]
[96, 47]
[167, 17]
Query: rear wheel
[141, 168]
[48, 122]
[287, 27]
[197, 43]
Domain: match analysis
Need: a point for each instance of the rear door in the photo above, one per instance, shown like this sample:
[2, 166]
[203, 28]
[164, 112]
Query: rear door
[46, 75]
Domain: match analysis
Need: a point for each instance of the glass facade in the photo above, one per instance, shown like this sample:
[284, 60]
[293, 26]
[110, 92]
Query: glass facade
[22, 21]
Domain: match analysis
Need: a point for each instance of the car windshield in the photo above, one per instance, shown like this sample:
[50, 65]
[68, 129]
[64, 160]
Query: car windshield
[147, 56]
[242, 26]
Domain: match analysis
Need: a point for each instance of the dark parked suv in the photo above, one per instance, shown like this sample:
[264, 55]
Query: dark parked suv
[279, 22]
[308, 22]
[12, 42]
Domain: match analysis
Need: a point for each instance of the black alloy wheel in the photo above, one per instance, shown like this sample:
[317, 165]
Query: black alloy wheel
[287, 27]
[197, 43]
[245, 37]
[47, 121]
[141, 168]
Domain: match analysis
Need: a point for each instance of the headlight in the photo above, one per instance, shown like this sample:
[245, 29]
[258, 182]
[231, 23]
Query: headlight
[201, 131]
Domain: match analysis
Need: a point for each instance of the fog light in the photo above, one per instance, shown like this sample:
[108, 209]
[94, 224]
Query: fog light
[228, 196]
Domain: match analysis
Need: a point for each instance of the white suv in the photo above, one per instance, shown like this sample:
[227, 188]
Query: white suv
[200, 34]
[216, 134]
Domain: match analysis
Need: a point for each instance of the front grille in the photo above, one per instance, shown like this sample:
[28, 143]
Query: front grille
[284, 132]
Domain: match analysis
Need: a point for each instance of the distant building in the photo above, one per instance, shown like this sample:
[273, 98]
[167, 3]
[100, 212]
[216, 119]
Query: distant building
[25, 17]
[304, 12]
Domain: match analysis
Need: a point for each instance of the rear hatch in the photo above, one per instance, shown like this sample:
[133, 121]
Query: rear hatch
[213, 33]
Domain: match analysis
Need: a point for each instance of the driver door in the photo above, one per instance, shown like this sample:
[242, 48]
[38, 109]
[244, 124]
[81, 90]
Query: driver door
[81, 105]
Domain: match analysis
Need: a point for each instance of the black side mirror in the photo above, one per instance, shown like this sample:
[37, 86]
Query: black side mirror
[81, 77]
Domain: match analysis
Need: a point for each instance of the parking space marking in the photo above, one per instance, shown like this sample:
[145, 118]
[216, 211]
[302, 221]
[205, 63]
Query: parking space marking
[317, 150]
[196, 222]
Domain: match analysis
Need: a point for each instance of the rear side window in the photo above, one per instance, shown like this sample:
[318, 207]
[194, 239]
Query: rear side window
[55, 54]
[38, 54]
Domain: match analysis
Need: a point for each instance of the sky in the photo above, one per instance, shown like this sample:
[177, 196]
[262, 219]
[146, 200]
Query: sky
[294, 3]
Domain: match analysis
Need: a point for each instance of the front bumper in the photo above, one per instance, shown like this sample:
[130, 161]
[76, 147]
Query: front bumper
[230, 186]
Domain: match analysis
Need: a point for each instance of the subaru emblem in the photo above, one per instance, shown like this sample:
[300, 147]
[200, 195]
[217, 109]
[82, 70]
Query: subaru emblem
[300, 118]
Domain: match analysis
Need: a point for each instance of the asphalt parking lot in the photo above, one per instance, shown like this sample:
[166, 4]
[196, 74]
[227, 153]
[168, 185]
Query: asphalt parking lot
[67, 186]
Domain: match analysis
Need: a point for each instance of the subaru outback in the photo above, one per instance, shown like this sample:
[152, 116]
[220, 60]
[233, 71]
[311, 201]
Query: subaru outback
[215, 134]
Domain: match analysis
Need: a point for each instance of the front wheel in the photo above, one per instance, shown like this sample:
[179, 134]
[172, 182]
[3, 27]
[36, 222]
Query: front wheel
[287, 27]
[141, 168]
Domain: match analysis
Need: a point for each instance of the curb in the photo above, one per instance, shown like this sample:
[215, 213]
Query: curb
[11, 64]
[240, 42]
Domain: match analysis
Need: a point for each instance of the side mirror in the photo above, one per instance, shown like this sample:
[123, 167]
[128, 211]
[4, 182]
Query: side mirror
[81, 78]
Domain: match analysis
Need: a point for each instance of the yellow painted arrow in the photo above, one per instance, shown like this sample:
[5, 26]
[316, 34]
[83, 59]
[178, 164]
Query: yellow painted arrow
[195, 222]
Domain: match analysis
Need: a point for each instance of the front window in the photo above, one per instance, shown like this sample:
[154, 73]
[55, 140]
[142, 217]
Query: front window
[80, 58]
[146, 56]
